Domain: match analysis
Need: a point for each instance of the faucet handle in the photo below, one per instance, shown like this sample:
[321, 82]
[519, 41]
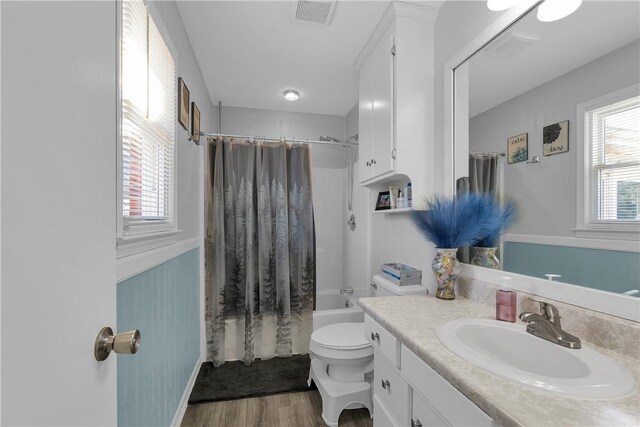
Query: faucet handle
[548, 311]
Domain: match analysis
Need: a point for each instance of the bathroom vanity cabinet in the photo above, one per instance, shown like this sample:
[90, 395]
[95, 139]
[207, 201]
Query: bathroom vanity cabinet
[396, 100]
[407, 392]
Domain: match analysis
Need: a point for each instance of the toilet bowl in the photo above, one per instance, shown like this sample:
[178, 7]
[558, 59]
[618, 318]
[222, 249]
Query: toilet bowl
[345, 350]
[342, 358]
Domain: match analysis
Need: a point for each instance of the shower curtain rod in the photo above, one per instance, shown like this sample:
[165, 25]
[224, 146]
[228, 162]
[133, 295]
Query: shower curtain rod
[262, 138]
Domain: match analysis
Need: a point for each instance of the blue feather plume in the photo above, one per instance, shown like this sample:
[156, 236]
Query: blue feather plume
[499, 219]
[462, 221]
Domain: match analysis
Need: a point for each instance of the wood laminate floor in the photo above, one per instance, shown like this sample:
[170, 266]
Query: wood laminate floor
[301, 409]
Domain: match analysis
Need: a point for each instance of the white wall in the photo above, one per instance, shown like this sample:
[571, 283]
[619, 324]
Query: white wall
[545, 192]
[458, 23]
[329, 176]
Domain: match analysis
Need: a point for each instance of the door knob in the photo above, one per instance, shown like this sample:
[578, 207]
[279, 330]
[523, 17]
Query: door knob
[123, 343]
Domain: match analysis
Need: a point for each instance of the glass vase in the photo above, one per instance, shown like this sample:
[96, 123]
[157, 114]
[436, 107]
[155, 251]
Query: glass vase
[446, 268]
[485, 257]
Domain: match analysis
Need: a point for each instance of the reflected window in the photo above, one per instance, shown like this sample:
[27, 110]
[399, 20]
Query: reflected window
[612, 139]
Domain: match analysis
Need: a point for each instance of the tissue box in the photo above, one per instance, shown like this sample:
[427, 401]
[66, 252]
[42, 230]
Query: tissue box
[401, 274]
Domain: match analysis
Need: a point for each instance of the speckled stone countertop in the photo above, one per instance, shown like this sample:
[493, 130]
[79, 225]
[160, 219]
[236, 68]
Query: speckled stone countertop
[414, 319]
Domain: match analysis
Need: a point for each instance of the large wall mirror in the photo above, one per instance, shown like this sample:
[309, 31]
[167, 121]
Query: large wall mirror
[548, 116]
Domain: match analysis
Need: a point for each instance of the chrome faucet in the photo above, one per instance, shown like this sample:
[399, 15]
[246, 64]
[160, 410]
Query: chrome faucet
[546, 325]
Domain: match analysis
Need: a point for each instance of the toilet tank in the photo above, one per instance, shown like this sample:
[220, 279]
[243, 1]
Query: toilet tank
[384, 288]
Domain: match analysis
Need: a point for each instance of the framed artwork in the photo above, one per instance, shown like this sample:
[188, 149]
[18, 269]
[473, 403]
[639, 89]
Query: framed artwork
[555, 138]
[384, 201]
[195, 123]
[183, 104]
[518, 148]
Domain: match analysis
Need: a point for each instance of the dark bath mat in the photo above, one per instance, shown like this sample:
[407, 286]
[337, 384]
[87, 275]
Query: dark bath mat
[233, 380]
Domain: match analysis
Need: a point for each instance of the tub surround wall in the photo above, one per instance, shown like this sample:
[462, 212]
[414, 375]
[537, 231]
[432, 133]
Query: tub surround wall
[414, 319]
[357, 244]
[163, 303]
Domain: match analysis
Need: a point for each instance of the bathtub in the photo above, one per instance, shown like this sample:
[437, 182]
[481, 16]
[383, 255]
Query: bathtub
[331, 307]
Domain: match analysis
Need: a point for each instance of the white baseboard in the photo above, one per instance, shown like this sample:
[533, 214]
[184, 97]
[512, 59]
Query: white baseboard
[184, 402]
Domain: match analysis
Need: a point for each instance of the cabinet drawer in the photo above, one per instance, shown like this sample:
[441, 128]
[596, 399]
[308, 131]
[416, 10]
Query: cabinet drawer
[456, 409]
[382, 340]
[424, 415]
[382, 417]
[391, 388]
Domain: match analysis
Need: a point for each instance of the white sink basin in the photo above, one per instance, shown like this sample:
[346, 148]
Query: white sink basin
[507, 350]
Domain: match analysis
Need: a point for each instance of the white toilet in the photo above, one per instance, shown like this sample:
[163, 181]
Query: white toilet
[342, 359]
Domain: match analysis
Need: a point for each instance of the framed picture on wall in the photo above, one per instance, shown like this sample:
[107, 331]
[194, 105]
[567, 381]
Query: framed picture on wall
[518, 148]
[183, 104]
[195, 123]
[555, 138]
[384, 201]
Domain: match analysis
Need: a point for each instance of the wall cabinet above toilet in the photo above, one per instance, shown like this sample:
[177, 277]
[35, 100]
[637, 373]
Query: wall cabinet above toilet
[396, 100]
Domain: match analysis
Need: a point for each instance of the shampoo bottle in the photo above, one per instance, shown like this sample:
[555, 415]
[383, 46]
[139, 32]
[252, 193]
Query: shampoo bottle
[506, 303]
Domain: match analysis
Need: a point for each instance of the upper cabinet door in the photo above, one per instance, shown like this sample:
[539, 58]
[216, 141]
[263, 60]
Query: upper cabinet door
[382, 63]
[365, 122]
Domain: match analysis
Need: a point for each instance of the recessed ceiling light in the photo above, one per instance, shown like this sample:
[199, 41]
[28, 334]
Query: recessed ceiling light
[498, 5]
[552, 10]
[291, 95]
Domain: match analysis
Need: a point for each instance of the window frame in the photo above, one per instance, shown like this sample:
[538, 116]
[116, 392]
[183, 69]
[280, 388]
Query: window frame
[136, 237]
[585, 227]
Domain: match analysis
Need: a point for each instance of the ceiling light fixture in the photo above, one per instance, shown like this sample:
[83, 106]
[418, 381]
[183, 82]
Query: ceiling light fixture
[291, 95]
[498, 5]
[553, 10]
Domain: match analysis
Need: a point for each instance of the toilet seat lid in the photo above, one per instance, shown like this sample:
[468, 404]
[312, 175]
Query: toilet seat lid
[347, 336]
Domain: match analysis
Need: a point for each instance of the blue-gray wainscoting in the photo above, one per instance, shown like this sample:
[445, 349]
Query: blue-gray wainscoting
[162, 303]
[613, 271]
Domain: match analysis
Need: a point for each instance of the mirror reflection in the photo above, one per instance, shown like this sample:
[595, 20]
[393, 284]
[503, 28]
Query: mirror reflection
[554, 126]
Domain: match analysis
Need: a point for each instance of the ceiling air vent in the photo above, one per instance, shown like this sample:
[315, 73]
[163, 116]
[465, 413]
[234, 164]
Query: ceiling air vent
[317, 12]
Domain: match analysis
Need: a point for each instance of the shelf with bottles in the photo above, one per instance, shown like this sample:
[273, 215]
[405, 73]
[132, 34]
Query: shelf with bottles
[394, 197]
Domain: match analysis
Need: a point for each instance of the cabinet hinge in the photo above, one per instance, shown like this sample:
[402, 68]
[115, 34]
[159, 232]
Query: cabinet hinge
[393, 50]
[393, 153]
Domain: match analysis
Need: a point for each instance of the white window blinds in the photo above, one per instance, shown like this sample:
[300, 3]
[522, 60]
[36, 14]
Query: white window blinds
[613, 141]
[148, 84]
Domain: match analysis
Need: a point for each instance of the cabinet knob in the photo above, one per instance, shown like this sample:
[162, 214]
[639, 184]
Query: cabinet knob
[415, 423]
[373, 161]
[368, 163]
[375, 337]
[386, 384]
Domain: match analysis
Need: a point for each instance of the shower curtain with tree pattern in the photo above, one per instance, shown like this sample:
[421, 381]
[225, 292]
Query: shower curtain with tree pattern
[260, 249]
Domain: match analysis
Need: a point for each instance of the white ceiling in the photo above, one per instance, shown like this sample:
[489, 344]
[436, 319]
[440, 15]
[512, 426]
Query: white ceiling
[595, 29]
[251, 51]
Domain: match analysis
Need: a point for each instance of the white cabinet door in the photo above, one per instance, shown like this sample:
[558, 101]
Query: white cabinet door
[382, 61]
[365, 122]
[424, 415]
[58, 211]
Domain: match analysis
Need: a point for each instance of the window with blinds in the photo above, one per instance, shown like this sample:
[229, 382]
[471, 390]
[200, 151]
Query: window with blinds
[148, 96]
[612, 134]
